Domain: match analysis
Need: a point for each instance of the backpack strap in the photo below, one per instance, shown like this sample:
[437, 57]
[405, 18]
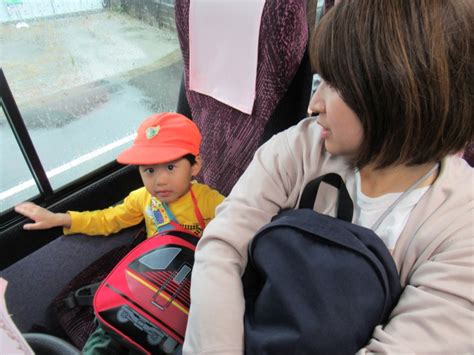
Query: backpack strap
[197, 211]
[83, 296]
[174, 222]
[345, 206]
[169, 217]
[251, 279]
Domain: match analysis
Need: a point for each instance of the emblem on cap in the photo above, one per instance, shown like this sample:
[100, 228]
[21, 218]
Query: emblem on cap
[152, 131]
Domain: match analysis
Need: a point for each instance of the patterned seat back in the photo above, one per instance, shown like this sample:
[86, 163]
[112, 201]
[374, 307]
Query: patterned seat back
[283, 86]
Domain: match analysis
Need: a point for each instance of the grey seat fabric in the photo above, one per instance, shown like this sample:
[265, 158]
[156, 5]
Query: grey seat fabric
[44, 344]
[34, 281]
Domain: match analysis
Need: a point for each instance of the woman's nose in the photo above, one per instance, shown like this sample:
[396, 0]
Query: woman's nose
[316, 103]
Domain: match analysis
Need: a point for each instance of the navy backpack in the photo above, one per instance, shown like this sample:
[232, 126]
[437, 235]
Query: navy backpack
[316, 284]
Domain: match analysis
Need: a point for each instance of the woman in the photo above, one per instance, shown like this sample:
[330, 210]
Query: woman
[395, 106]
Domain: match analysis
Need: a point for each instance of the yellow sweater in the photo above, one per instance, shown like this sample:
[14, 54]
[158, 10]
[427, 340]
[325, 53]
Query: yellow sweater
[139, 204]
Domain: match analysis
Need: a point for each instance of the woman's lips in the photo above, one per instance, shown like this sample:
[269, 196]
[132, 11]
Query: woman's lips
[325, 132]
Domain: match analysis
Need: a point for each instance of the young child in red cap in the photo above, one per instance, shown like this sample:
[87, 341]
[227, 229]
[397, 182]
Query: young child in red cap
[166, 151]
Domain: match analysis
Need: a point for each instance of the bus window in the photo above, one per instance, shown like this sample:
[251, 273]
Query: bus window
[14, 169]
[83, 75]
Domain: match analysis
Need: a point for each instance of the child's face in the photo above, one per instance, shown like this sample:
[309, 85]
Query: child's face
[169, 181]
[341, 128]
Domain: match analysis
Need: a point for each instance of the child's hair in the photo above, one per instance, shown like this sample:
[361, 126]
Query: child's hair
[406, 69]
[191, 158]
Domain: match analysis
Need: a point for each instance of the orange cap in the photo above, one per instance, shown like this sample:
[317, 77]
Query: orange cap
[162, 138]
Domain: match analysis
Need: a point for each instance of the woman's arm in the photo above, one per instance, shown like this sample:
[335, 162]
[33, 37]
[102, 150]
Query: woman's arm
[216, 316]
[273, 181]
[435, 311]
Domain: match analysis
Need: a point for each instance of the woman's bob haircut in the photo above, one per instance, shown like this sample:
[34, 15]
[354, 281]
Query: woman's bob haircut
[406, 68]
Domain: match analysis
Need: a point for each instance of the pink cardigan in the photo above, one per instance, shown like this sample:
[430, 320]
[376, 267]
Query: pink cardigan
[434, 253]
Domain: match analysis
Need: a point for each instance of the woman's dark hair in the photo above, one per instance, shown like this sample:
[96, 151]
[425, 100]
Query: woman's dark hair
[406, 69]
[191, 158]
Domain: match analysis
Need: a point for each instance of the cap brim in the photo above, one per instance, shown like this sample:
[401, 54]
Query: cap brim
[151, 155]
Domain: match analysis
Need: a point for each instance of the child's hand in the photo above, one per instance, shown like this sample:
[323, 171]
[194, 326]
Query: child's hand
[43, 218]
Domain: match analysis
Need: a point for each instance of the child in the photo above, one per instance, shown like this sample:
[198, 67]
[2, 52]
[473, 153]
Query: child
[166, 151]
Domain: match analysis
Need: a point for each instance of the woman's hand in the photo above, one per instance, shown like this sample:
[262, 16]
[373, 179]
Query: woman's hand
[42, 217]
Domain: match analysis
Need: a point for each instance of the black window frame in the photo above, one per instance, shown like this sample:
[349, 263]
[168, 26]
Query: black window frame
[47, 195]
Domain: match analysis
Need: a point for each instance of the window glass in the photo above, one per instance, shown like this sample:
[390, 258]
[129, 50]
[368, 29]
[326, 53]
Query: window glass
[319, 9]
[316, 82]
[16, 182]
[85, 73]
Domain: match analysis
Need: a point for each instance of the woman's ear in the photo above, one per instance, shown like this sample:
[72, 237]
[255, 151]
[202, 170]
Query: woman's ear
[196, 167]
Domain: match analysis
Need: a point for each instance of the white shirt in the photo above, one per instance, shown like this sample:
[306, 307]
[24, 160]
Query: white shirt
[367, 210]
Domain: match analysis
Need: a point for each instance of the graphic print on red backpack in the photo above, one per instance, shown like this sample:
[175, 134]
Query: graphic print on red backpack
[144, 302]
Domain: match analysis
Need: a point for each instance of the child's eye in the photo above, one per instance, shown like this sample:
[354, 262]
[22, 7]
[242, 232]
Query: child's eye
[149, 170]
[170, 167]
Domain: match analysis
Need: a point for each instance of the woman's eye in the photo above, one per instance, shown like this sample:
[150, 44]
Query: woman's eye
[170, 167]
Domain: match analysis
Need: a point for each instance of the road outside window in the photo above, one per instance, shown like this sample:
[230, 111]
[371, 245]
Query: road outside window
[83, 76]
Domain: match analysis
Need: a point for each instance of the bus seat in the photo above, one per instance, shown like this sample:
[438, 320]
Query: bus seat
[34, 281]
[45, 344]
[468, 154]
[283, 88]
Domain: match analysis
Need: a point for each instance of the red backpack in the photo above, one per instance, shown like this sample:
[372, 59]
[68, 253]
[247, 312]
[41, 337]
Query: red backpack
[144, 301]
